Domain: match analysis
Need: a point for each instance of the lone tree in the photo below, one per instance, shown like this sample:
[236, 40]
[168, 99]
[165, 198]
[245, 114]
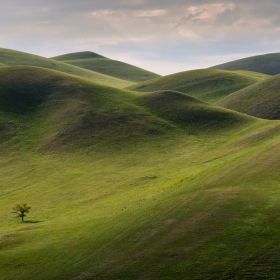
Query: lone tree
[21, 209]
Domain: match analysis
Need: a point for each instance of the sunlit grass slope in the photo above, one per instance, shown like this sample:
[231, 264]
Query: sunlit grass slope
[15, 58]
[209, 85]
[120, 188]
[104, 65]
[261, 100]
[155, 211]
[267, 64]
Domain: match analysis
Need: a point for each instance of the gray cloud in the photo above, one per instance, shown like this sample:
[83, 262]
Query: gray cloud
[144, 32]
[229, 16]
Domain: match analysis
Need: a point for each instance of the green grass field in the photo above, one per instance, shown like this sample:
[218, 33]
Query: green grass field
[104, 65]
[267, 64]
[261, 99]
[16, 58]
[209, 85]
[131, 185]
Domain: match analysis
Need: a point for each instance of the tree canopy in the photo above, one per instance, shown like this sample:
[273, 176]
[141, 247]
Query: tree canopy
[21, 209]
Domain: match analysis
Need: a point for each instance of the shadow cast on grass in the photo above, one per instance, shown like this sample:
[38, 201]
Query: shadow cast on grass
[32, 222]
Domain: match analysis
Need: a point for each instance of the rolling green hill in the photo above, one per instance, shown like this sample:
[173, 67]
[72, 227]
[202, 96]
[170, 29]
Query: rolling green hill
[261, 100]
[72, 112]
[209, 85]
[69, 111]
[15, 58]
[126, 185]
[190, 112]
[104, 65]
[267, 64]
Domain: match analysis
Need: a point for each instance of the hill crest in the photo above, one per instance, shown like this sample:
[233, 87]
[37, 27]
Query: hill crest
[15, 58]
[267, 64]
[261, 100]
[77, 55]
[114, 68]
[209, 85]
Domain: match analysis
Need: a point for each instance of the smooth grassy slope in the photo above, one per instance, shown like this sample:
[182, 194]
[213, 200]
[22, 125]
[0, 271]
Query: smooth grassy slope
[172, 205]
[104, 65]
[261, 100]
[153, 212]
[209, 85]
[267, 64]
[15, 58]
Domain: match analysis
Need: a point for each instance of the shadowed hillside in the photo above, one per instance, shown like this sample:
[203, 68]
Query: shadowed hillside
[189, 112]
[104, 65]
[67, 111]
[209, 85]
[260, 100]
[267, 64]
[15, 58]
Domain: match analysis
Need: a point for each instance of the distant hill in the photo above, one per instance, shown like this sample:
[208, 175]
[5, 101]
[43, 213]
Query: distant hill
[104, 65]
[267, 64]
[260, 100]
[209, 85]
[14, 58]
[77, 56]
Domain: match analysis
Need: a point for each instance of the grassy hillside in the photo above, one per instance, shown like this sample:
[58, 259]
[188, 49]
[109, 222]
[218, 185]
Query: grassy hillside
[189, 112]
[15, 58]
[104, 65]
[53, 109]
[261, 100]
[209, 85]
[126, 185]
[267, 64]
[67, 111]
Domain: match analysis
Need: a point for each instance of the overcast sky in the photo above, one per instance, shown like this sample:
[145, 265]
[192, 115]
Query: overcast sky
[164, 36]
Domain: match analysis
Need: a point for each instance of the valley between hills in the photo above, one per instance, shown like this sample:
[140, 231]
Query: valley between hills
[133, 175]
